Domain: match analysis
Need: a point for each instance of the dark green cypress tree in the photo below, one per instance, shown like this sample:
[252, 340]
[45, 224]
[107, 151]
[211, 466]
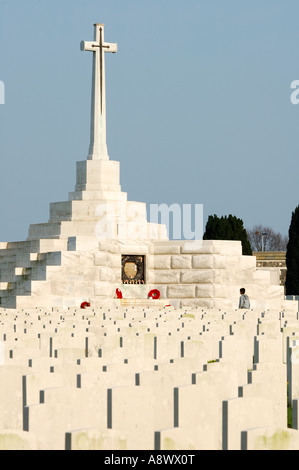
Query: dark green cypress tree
[227, 228]
[292, 256]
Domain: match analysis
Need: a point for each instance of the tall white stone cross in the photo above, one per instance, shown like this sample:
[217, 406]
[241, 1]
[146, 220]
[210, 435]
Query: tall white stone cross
[98, 143]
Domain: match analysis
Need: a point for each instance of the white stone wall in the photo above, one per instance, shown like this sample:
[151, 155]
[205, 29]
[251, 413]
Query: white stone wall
[65, 272]
[209, 275]
[76, 255]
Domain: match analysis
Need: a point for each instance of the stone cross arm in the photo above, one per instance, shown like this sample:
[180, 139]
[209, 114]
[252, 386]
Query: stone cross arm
[91, 45]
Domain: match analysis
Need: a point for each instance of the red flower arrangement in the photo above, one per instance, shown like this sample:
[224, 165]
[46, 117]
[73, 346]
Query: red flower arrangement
[154, 294]
[119, 293]
[85, 304]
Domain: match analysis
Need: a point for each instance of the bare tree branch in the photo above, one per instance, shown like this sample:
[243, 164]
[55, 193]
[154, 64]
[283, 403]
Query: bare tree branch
[272, 241]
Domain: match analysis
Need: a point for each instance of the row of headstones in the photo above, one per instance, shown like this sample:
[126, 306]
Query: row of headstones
[169, 410]
[113, 341]
[156, 332]
[151, 414]
[165, 335]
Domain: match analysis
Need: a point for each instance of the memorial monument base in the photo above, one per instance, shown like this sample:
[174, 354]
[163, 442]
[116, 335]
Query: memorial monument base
[97, 244]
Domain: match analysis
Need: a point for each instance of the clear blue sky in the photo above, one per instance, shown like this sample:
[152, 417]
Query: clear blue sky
[198, 105]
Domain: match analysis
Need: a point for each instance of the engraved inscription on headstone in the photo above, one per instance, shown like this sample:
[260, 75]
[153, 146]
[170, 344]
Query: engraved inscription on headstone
[133, 269]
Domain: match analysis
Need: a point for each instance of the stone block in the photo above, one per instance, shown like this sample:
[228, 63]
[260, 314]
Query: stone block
[98, 195]
[55, 258]
[227, 262]
[132, 291]
[4, 285]
[106, 274]
[39, 287]
[167, 248]
[77, 259]
[102, 258]
[82, 243]
[181, 261]
[157, 232]
[261, 277]
[109, 246]
[197, 247]
[34, 256]
[197, 276]
[150, 276]
[229, 247]
[165, 276]
[247, 262]
[202, 261]
[134, 230]
[227, 292]
[205, 291]
[136, 210]
[52, 244]
[19, 271]
[179, 291]
[61, 211]
[221, 247]
[224, 276]
[114, 261]
[161, 262]
[78, 288]
[98, 175]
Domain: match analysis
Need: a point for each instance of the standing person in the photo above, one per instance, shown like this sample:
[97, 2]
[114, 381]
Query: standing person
[244, 301]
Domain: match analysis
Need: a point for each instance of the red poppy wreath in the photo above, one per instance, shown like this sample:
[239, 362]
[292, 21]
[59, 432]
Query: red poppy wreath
[154, 294]
[85, 304]
[119, 293]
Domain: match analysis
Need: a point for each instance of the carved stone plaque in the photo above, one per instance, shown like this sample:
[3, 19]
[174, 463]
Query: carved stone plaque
[133, 269]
